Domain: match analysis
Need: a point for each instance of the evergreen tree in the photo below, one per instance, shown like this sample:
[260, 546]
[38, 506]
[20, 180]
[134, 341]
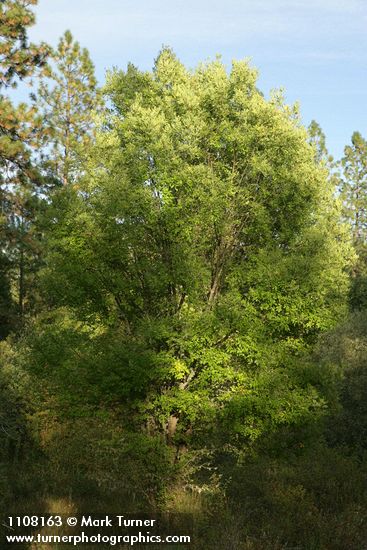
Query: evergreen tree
[353, 187]
[66, 99]
[353, 192]
[18, 57]
[19, 128]
[318, 140]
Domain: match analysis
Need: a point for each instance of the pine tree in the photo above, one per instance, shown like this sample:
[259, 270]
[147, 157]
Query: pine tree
[67, 98]
[318, 140]
[353, 187]
[18, 58]
[353, 192]
[18, 134]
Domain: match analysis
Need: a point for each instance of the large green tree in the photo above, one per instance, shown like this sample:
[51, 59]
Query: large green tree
[197, 259]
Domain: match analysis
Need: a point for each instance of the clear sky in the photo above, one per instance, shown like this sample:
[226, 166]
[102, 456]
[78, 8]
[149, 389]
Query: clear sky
[315, 49]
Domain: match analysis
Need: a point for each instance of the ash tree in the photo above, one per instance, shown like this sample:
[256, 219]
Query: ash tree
[196, 260]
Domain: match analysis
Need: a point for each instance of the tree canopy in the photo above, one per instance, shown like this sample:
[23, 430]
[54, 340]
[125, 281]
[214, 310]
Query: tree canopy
[205, 239]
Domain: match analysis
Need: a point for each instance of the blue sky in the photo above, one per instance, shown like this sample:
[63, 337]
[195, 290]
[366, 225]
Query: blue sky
[315, 49]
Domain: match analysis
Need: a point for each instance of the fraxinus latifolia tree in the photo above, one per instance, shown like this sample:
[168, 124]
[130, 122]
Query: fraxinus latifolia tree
[203, 241]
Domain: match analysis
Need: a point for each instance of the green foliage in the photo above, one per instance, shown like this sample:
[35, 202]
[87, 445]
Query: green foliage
[16, 442]
[18, 58]
[13, 405]
[204, 243]
[7, 312]
[19, 134]
[315, 500]
[317, 138]
[190, 263]
[353, 186]
[67, 95]
[345, 348]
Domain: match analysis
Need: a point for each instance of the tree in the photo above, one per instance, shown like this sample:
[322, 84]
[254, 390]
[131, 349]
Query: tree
[353, 187]
[18, 133]
[318, 140]
[66, 99]
[18, 58]
[197, 259]
[20, 181]
[353, 192]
